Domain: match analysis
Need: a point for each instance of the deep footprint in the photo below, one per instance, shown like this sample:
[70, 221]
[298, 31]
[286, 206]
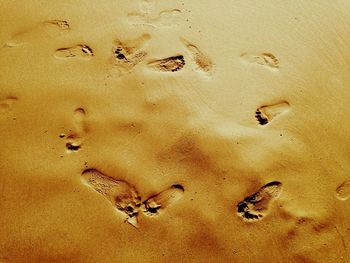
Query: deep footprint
[80, 52]
[125, 197]
[264, 59]
[129, 53]
[121, 194]
[76, 136]
[255, 206]
[155, 204]
[170, 64]
[266, 114]
[343, 191]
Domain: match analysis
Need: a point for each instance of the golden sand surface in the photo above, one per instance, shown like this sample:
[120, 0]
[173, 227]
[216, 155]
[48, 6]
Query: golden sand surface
[174, 131]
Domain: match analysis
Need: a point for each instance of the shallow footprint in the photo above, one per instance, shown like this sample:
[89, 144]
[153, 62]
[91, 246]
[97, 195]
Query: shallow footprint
[343, 191]
[121, 194]
[170, 64]
[267, 113]
[56, 27]
[264, 59]
[255, 206]
[53, 28]
[148, 6]
[155, 204]
[7, 103]
[165, 18]
[79, 52]
[79, 116]
[203, 62]
[168, 17]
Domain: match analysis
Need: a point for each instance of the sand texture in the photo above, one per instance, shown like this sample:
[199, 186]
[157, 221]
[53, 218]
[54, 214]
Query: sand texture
[175, 131]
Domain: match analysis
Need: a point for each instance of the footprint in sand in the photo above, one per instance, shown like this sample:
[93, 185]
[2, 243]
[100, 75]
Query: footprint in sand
[202, 61]
[166, 18]
[121, 194]
[129, 53]
[265, 59]
[157, 203]
[56, 27]
[79, 52]
[52, 28]
[267, 113]
[7, 103]
[255, 206]
[170, 64]
[74, 139]
[343, 190]
[147, 6]
[148, 15]
[125, 197]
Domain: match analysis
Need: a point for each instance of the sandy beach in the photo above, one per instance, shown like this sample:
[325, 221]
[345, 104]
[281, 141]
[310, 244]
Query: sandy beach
[175, 131]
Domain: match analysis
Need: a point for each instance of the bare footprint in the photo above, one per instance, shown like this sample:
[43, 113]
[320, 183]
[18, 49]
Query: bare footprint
[264, 59]
[79, 51]
[121, 194]
[155, 204]
[267, 113]
[170, 64]
[343, 190]
[125, 197]
[76, 136]
[129, 53]
[56, 27]
[255, 206]
[53, 28]
[79, 116]
[203, 62]
[7, 103]
[147, 6]
[165, 18]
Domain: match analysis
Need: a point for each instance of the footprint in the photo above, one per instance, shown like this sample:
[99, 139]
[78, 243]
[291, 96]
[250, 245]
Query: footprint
[266, 114]
[170, 64]
[76, 136]
[73, 146]
[131, 46]
[203, 62]
[264, 59]
[168, 17]
[343, 191]
[165, 18]
[53, 28]
[56, 27]
[125, 198]
[7, 103]
[79, 52]
[128, 53]
[147, 6]
[121, 194]
[153, 205]
[255, 206]
[79, 116]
